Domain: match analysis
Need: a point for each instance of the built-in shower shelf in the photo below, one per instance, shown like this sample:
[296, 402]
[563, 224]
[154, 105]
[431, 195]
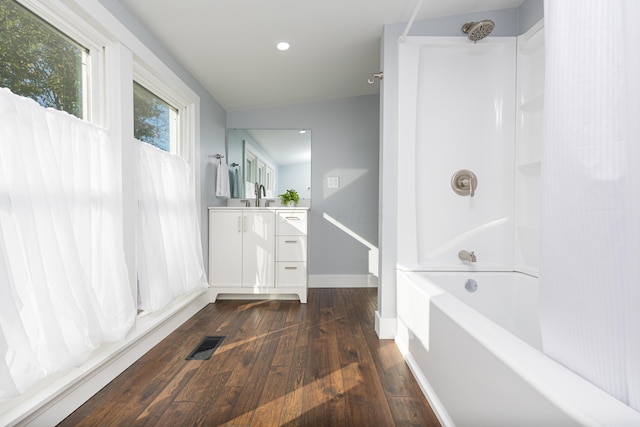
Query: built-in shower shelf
[534, 103]
[530, 168]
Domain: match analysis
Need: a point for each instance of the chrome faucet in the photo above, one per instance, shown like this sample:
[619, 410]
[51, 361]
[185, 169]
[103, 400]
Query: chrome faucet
[259, 189]
[467, 256]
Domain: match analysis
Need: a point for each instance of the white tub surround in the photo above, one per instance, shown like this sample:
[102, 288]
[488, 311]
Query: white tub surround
[472, 370]
[529, 107]
[456, 113]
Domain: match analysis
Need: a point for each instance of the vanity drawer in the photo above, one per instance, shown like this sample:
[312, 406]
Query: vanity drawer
[291, 274]
[291, 248]
[292, 223]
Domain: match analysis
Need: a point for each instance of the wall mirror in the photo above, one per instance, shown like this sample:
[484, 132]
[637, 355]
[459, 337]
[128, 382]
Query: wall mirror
[279, 159]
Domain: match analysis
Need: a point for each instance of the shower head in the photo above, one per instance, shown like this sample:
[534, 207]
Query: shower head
[478, 30]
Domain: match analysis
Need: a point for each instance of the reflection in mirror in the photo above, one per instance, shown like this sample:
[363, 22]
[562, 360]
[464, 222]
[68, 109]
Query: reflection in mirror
[279, 159]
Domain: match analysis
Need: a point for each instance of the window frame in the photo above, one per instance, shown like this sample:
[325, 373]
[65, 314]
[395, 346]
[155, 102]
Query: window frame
[184, 146]
[92, 26]
[64, 20]
[174, 120]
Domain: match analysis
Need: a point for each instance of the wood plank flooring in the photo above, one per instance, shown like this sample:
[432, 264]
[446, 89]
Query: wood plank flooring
[282, 363]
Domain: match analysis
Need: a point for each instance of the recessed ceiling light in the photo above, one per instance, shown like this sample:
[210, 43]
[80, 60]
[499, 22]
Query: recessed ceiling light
[282, 45]
[303, 131]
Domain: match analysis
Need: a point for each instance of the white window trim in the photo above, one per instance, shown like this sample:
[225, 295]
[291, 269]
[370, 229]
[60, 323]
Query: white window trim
[175, 99]
[89, 23]
[73, 26]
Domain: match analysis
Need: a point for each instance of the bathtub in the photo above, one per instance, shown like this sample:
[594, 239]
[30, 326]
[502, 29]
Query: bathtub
[477, 355]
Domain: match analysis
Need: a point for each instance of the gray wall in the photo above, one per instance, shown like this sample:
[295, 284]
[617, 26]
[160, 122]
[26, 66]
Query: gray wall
[344, 143]
[529, 13]
[212, 116]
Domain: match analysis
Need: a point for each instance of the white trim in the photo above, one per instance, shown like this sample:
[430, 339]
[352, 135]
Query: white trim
[343, 281]
[51, 403]
[184, 107]
[385, 328]
[188, 108]
[65, 20]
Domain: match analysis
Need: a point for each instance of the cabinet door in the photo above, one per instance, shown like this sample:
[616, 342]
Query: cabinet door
[225, 248]
[258, 249]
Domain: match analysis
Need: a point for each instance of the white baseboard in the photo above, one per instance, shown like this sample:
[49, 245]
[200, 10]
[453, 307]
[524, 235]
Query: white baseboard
[53, 401]
[385, 327]
[343, 281]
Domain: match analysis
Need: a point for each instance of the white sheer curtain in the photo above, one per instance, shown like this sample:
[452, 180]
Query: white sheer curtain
[169, 257]
[590, 188]
[63, 278]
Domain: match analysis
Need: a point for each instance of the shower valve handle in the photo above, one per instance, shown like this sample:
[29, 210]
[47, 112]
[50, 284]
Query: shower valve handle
[464, 183]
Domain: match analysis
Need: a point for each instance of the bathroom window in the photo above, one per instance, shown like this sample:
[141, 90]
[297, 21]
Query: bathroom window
[250, 167]
[42, 63]
[269, 180]
[155, 121]
[260, 178]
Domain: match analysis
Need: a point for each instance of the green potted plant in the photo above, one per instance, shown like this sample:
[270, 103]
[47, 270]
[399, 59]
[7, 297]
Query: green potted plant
[289, 197]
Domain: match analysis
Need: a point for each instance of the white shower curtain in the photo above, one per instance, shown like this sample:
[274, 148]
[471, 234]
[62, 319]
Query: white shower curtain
[63, 278]
[590, 192]
[169, 256]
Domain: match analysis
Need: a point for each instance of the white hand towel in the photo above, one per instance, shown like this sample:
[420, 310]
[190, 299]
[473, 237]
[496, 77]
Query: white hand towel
[222, 181]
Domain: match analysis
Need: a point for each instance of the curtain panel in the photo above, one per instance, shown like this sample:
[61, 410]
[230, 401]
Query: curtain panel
[590, 202]
[169, 251]
[62, 270]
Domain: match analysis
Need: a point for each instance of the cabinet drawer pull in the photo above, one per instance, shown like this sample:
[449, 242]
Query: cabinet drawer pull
[291, 268]
[293, 218]
[245, 224]
[239, 225]
[291, 241]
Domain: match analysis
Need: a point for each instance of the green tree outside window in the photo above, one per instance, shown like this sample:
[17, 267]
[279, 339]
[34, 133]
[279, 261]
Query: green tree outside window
[39, 62]
[153, 118]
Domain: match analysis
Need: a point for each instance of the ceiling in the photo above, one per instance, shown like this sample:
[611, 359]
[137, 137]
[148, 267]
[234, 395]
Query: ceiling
[229, 45]
[286, 146]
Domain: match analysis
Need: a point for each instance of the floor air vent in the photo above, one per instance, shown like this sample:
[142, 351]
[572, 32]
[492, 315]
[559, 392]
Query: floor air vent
[205, 349]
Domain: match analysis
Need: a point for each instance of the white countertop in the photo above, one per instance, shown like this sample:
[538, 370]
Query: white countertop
[264, 208]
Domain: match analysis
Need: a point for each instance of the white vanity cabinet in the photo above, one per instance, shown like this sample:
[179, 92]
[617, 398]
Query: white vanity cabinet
[241, 248]
[249, 252]
[291, 250]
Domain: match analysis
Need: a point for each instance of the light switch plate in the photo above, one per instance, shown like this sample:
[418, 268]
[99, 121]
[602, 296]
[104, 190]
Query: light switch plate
[333, 182]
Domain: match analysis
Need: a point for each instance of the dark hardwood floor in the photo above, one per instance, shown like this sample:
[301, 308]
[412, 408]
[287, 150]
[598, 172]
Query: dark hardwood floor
[282, 363]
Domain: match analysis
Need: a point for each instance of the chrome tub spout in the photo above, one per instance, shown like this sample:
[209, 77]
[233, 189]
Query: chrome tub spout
[467, 256]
